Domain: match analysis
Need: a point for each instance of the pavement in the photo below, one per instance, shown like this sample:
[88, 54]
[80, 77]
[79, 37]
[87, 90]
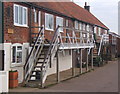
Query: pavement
[102, 79]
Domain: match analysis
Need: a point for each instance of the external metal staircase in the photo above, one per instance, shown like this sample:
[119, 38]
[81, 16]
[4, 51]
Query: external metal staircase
[98, 50]
[41, 54]
[39, 59]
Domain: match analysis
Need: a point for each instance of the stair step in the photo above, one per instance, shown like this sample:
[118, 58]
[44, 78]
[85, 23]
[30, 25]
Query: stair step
[42, 58]
[36, 80]
[37, 66]
[36, 71]
[40, 62]
[45, 50]
[34, 75]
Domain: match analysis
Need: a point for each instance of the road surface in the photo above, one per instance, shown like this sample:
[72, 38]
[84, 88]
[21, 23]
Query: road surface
[102, 79]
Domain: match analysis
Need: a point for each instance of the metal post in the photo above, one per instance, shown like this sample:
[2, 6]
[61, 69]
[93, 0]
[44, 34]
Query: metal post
[73, 69]
[92, 58]
[80, 61]
[42, 84]
[57, 69]
[87, 61]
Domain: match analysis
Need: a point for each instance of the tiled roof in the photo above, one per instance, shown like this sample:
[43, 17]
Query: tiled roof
[70, 9]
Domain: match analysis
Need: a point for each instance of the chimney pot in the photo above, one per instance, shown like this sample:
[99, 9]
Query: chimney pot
[87, 7]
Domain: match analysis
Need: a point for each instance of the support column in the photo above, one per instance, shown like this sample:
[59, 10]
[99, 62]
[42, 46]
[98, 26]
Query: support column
[92, 58]
[87, 60]
[73, 65]
[57, 68]
[80, 61]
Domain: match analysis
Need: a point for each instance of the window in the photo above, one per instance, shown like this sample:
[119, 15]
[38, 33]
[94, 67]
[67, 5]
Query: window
[88, 28]
[76, 25]
[39, 19]
[49, 22]
[59, 21]
[99, 31]
[83, 26]
[16, 53]
[84, 35]
[35, 16]
[95, 30]
[105, 31]
[67, 23]
[20, 15]
[80, 26]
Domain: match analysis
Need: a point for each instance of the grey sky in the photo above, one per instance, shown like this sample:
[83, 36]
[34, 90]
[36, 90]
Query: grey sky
[104, 10]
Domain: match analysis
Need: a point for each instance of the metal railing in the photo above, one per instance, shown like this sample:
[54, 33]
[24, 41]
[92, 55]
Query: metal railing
[54, 46]
[104, 39]
[34, 54]
[75, 36]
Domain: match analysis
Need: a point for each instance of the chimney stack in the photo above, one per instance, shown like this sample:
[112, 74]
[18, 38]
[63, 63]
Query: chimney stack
[87, 7]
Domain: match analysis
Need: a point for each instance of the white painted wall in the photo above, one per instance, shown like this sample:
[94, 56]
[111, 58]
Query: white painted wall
[8, 60]
[65, 62]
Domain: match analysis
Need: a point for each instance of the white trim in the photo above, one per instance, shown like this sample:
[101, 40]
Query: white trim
[49, 29]
[18, 24]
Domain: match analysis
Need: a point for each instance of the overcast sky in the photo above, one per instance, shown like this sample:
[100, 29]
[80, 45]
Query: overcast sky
[104, 10]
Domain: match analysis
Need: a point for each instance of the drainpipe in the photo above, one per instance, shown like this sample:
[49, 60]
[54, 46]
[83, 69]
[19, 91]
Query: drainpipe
[1, 36]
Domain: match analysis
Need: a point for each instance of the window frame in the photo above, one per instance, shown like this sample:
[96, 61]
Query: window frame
[23, 14]
[95, 30]
[39, 19]
[35, 15]
[84, 26]
[46, 28]
[99, 31]
[80, 26]
[76, 24]
[60, 18]
[16, 63]
[67, 23]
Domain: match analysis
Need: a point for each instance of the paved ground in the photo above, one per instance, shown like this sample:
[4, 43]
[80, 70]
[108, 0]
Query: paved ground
[103, 79]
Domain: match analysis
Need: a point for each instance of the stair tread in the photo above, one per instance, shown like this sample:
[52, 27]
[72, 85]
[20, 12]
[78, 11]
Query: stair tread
[36, 71]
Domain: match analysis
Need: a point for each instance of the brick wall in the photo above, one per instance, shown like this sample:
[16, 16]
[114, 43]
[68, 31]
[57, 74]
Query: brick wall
[13, 34]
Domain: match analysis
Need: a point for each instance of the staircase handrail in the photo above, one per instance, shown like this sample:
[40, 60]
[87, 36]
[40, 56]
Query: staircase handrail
[40, 35]
[54, 43]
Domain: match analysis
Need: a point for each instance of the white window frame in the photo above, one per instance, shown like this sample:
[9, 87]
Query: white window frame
[80, 26]
[60, 19]
[39, 19]
[67, 23]
[35, 16]
[95, 30]
[99, 31]
[76, 25]
[88, 27]
[15, 63]
[46, 27]
[23, 24]
[84, 27]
